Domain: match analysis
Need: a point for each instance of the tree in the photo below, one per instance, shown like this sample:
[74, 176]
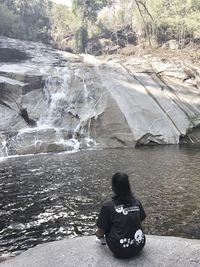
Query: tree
[63, 22]
[9, 21]
[86, 11]
[34, 17]
[150, 19]
[88, 8]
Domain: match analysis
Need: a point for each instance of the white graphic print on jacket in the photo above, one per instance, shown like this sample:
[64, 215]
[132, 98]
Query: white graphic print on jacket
[138, 236]
[125, 211]
[137, 240]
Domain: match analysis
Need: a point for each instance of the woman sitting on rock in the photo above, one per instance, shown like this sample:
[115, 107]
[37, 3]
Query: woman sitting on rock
[120, 220]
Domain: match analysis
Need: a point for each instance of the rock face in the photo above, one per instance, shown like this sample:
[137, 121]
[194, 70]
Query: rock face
[84, 252]
[83, 102]
[12, 55]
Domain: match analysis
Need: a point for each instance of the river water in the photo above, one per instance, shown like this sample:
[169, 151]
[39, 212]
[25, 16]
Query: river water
[53, 196]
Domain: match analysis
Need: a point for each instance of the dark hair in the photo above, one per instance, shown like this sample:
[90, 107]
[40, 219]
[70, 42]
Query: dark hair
[122, 189]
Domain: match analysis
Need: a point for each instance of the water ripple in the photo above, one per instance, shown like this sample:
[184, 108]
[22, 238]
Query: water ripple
[48, 197]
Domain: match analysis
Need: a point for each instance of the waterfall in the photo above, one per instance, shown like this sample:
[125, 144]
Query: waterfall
[71, 101]
[4, 150]
[56, 90]
[62, 102]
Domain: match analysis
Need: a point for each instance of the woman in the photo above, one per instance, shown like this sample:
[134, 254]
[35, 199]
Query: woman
[120, 220]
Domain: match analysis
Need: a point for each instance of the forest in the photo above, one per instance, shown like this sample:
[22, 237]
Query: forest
[90, 24]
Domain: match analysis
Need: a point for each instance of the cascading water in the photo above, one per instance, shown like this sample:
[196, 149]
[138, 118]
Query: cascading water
[64, 106]
[70, 102]
[56, 92]
[5, 149]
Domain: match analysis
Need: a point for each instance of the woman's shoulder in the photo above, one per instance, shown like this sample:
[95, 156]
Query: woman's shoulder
[138, 203]
[108, 203]
[113, 202]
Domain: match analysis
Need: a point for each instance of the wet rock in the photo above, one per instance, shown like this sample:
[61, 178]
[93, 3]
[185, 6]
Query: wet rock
[24, 114]
[10, 89]
[12, 55]
[68, 134]
[116, 102]
[192, 136]
[33, 141]
[30, 81]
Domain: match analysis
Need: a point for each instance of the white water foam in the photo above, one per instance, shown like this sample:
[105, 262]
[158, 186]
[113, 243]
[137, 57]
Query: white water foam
[56, 90]
[60, 100]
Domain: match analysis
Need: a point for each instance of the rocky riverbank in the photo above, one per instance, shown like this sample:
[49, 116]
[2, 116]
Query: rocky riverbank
[159, 251]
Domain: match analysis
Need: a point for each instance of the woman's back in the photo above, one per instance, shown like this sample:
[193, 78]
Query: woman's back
[121, 220]
[123, 227]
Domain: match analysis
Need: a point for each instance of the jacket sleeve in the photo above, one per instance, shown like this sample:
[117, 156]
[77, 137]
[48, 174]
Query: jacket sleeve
[104, 219]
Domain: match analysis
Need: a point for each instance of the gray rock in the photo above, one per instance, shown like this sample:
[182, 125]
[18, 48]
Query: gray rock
[105, 103]
[159, 251]
[33, 141]
[29, 81]
[193, 136]
[172, 44]
[94, 47]
[12, 55]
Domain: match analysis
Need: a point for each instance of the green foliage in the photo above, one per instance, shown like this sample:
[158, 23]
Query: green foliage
[81, 39]
[62, 21]
[88, 8]
[34, 20]
[115, 17]
[157, 19]
[194, 120]
[188, 130]
[86, 12]
[9, 21]
[174, 19]
[28, 19]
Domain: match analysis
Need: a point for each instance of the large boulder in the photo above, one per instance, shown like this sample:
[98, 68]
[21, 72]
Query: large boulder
[94, 47]
[159, 251]
[32, 80]
[33, 141]
[124, 36]
[172, 44]
[17, 93]
[108, 102]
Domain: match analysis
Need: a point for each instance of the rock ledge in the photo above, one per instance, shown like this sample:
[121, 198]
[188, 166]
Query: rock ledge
[83, 251]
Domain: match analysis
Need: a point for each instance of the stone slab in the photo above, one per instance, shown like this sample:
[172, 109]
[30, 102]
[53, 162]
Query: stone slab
[159, 251]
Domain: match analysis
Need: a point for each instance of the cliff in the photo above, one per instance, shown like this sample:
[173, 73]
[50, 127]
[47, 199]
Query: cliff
[81, 101]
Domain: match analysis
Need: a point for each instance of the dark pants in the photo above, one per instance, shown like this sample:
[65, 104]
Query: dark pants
[125, 253]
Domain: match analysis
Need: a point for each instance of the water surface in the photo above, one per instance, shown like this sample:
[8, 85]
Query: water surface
[53, 196]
